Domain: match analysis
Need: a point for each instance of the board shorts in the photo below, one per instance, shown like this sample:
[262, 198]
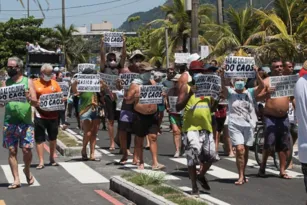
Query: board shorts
[241, 135]
[277, 133]
[220, 124]
[126, 117]
[144, 125]
[90, 114]
[199, 147]
[110, 108]
[40, 127]
[21, 133]
[175, 119]
[161, 108]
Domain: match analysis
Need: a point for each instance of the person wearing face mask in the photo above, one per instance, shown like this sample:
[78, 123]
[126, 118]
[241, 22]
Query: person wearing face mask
[46, 120]
[242, 119]
[135, 60]
[62, 118]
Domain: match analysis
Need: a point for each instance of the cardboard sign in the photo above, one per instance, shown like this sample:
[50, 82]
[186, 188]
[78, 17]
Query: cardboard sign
[127, 79]
[181, 58]
[151, 94]
[110, 80]
[241, 67]
[208, 85]
[114, 39]
[52, 102]
[204, 51]
[284, 85]
[83, 66]
[172, 100]
[64, 87]
[88, 83]
[16, 93]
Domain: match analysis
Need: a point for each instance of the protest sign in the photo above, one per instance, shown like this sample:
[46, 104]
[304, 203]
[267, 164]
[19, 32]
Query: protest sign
[83, 66]
[88, 83]
[181, 58]
[284, 85]
[208, 85]
[204, 51]
[67, 79]
[172, 100]
[114, 39]
[110, 80]
[151, 94]
[12, 93]
[52, 102]
[127, 79]
[64, 87]
[241, 67]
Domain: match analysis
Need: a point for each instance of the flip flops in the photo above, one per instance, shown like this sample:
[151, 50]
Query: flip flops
[30, 179]
[40, 166]
[14, 186]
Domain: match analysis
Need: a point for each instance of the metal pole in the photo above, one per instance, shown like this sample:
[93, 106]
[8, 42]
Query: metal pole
[251, 3]
[220, 12]
[166, 45]
[63, 13]
[28, 8]
[194, 33]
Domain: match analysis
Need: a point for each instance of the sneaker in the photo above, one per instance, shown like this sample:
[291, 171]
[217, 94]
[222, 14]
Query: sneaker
[177, 154]
[217, 158]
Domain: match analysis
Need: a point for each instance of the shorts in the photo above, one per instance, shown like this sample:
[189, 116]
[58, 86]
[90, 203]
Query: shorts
[293, 129]
[143, 125]
[277, 133]
[91, 114]
[199, 147]
[40, 127]
[213, 120]
[241, 135]
[175, 120]
[14, 134]
[161, 108]
[126, 117]
[304, 171]
[109, 108]
[220, 124]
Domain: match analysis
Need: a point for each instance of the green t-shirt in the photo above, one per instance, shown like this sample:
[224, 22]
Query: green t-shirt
[86, 100]
[18, 112]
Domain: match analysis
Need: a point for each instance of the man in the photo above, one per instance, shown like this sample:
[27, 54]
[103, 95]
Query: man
[300, 94]
[197, 130]
[289, 68]
[30, 47]
[46, 120]
[18, 126]
[185, 76]
[277, 126]
[213, 63]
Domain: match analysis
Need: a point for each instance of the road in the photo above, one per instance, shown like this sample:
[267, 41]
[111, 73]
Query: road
[73, 182]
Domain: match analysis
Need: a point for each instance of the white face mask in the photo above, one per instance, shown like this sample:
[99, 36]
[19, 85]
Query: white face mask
[46, 78]
[113, 64]
[145, 76]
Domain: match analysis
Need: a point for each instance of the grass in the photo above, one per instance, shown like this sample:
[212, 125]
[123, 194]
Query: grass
[67, 140]
[154, 184]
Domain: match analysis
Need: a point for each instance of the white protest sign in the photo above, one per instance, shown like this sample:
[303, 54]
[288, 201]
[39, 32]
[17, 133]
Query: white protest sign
[88, 83]
[127, 79]
[15, 93]
[110, 80]
[204, 51]
[83, 66]
[208, 85]
[241, 67]
[172, 100]
[181, 57]
[68, 80]
[52, 102]
[64, 87]
[151, 94]
[284, 85]
[114, 39]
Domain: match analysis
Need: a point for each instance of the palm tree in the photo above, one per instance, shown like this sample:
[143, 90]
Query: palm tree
[38, 3]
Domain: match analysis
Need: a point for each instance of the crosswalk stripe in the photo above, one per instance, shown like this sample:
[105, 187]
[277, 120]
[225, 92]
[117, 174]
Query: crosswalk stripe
[23, 180]
[205, 196]
[147, 171]
[83, 173]
[214, 170]
[253, 164]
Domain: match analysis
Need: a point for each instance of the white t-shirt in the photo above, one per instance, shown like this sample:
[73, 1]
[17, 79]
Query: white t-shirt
[300, 94]
[291, 114]
[120, 98]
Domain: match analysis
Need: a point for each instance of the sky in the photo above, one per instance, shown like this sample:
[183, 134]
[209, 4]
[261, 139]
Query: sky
[115, 11]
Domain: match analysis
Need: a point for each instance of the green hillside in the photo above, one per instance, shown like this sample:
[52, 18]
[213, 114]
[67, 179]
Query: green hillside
[156, 13]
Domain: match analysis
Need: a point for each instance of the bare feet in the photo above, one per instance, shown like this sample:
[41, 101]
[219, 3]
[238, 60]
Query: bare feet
[141, 166]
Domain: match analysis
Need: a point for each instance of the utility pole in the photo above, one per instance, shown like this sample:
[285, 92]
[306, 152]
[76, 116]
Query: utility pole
[251, 3]
[28, 8]
[194, 24]
[63, 13]
[219, 6]
[166, 45]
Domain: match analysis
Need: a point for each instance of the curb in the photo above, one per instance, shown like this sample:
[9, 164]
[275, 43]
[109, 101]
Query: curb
[135, 193]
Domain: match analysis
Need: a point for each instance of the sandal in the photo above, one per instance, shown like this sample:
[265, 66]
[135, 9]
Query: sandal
[40, 166]
[14, 186]
[122, 161]
[158, 167]
[30, 180]
[54, 164]
[94, 159]
[239, 182]
[284, 176]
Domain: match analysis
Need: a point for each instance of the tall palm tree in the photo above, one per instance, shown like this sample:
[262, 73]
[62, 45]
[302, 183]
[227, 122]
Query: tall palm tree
[38, 3]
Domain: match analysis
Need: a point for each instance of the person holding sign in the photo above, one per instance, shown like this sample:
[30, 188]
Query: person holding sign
[18, 126]
[46, 120]
[242, 118]
[145, 118]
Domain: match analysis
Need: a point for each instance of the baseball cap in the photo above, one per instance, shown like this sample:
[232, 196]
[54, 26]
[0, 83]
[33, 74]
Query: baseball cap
[303, 71]
[196, 65]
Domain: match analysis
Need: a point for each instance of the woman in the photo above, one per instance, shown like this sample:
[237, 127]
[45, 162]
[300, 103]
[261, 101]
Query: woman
[242, 119]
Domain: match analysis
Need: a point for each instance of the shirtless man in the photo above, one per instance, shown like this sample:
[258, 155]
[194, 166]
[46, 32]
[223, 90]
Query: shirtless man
[145, 119]
[277, 126]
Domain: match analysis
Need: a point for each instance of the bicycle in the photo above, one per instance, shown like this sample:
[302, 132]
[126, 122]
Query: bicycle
[259, 146]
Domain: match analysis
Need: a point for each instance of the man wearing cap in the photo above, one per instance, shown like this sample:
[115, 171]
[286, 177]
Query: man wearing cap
[300, 94]
[135, 59]
[197, 129]
[145, 118]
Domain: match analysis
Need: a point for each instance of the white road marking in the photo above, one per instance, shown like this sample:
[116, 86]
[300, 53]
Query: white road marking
[83, 173]
[8, 174]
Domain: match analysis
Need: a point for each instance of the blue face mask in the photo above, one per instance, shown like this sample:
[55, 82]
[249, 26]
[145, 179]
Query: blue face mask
[239, 85]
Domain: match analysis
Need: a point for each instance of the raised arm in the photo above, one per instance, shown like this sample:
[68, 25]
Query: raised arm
[124, 54]
[260, 82]
[102, 56]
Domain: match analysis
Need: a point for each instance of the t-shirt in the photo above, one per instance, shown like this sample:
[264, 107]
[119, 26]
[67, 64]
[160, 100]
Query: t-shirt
[291, 114]
[300, 94]
[42, 88]
[120, 97]
[240, 106]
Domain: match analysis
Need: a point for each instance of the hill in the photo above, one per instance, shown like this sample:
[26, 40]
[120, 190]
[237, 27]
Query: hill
[156, 12]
